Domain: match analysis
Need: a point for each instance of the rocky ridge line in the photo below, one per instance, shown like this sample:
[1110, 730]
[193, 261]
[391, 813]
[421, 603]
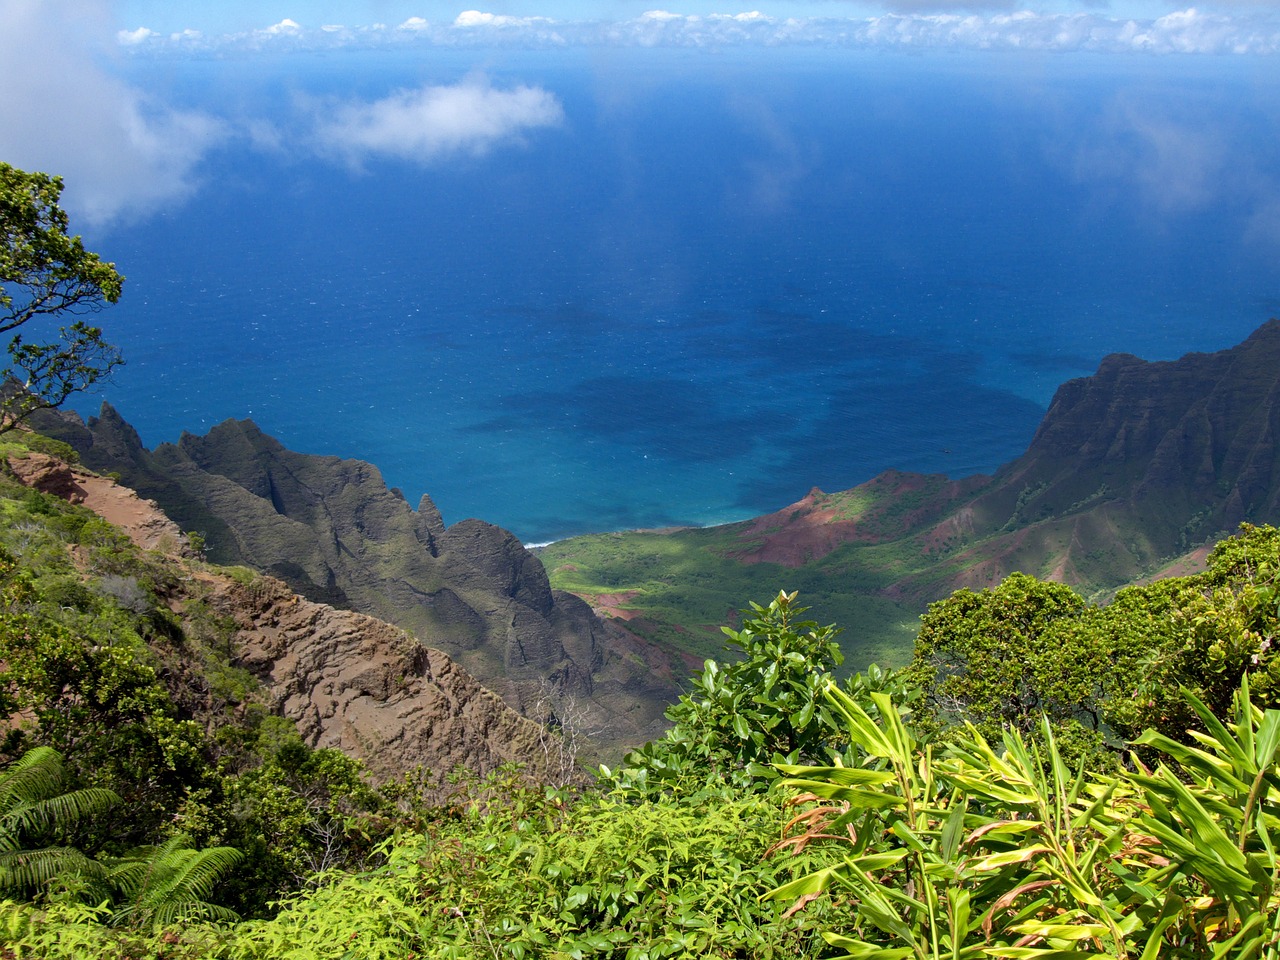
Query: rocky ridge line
[347, 680]
[332, 530]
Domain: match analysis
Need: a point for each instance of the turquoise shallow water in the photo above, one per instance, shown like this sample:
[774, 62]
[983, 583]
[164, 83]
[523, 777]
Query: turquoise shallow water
[718, 283]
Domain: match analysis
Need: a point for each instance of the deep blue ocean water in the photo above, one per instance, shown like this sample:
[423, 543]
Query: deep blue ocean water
[722, 281]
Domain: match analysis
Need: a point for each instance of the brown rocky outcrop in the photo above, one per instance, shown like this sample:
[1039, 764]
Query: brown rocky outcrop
[335, 533]
[369, 689]
[143, 521]
[348, 681]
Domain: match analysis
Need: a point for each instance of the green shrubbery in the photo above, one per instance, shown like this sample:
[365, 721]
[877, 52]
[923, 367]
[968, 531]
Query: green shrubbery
[1102, 675]
[997, 799]
[973, 851]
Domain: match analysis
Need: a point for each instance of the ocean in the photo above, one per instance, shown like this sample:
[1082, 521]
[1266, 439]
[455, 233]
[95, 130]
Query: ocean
[718, 281]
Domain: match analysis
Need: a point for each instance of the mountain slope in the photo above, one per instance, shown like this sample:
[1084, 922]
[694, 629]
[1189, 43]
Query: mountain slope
[1136, 464]
[345, 679]
[1130, 468]
[334, 532]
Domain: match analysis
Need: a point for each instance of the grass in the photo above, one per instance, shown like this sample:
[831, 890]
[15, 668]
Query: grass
[684, 588]
[682, 585]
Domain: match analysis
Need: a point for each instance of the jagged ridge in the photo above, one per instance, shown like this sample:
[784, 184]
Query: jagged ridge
[347, 680]
[333, 531]
[1140, 462]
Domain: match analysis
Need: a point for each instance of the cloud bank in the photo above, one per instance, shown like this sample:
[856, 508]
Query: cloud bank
[122, 153]
[1253, 30]
[433, 121]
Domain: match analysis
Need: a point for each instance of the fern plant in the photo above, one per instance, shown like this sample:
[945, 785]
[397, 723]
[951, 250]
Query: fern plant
[34, 803]
[170, 884]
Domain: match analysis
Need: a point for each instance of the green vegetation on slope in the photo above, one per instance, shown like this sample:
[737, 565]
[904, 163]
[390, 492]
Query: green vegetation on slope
[922, 840]
[683, 585]
[111, 659]
[981, 803]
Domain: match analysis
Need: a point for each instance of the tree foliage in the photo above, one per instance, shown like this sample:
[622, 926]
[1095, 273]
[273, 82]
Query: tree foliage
[993, 658]
[1005, 656]
[766, 707]
[45, 272]
[81, 679]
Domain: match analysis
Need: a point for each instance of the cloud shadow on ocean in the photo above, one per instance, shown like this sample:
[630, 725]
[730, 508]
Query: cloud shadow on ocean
[677, 420]
[924, 424]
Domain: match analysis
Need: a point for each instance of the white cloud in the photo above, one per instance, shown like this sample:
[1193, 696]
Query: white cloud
[776, 167]
[130, 38]
[1171, 165]
[433, 121]
[1170, 158]
[121, 153]
[1248, 28]
[476, 18]
[947, 6]
[1185, 32]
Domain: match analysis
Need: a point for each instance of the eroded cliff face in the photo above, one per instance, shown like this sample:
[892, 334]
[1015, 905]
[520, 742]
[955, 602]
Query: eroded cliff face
[1141, 462]
[347, 680]
[371, 690]
[334, 532]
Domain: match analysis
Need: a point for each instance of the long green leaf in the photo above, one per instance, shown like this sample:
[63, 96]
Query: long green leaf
[843, 776]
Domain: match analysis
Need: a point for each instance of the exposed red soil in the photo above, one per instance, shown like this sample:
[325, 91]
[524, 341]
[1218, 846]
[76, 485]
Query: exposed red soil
[611, 604]
[143, 521]
[812, 527]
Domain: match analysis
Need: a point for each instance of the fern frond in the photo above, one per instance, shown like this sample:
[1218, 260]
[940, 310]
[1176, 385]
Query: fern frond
[171, 882]
[34, 776]
[22, 871]
[61, 810]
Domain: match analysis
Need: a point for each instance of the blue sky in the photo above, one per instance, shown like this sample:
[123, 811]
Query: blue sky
[231, 16]
[244, 16]
[74, 69]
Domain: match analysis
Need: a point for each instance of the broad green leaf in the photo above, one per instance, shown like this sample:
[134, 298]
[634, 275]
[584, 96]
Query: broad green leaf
[1040, 953]
[1003, 859]
[1267, 739]
[857, 949]
[856, 797]
[817, 882]
[1064, 931]
[841, 776]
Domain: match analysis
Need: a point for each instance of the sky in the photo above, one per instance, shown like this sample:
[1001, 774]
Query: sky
[243, 15]
[71, 68]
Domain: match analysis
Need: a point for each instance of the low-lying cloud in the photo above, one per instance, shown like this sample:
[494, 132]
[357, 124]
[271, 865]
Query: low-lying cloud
[122, 153]
[908, 24]
[430, 122]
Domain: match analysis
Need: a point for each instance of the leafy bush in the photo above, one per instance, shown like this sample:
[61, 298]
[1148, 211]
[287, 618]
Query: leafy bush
[978, 852]
[600, 878]
[1007, 656]
[766, 707]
